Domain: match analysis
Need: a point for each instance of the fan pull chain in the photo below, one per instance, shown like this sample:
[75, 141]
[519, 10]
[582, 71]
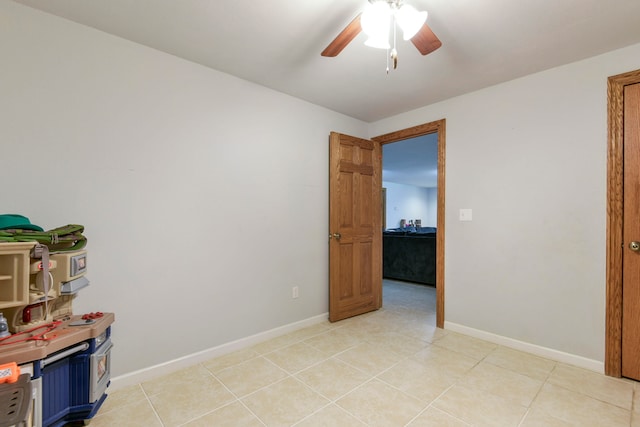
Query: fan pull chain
[388, 61]
[394, 52]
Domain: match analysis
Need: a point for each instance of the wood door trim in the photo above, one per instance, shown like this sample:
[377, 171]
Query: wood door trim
[412, 132]
[615, 107]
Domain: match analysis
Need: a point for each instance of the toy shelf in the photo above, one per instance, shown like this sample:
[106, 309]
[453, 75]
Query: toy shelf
[14, 273]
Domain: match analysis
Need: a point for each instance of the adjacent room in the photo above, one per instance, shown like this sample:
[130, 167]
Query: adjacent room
[410, 210]
[191, 140]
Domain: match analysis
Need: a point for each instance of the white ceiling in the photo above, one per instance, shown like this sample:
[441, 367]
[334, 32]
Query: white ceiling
[277, 43]
[412, 161]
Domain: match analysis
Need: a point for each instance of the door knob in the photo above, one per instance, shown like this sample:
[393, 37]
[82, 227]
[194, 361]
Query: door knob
[336, 236]
[634, 246]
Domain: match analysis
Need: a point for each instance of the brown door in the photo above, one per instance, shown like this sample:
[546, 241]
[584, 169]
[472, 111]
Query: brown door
[355, 226]
[631, 235]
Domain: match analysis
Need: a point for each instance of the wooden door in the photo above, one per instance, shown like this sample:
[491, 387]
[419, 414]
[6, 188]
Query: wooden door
[631, 234]
[355, 226]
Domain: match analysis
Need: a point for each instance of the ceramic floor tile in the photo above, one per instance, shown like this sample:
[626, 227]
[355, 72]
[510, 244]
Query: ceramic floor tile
[515, 388]
[139, 413]
[311, 331]
[579, 409]
[372, 326]
[370, 358]
[395, 315]
[284, 403]
[396, 342]
[296, 357]
[223, 362]
[332, 378]
[397, 292]
[635, 419]
[250, 376]
[433, 417]
[521, 362]
[274, 344]
[410, 314]
[423, 330]
[335, 341]
[188, 401]
[378, 404]
[538, 418]
[432, 318]
[175, 380]
[469, 346]
[331, 416]
[480, 408]
[424, 382]
[636, 397]
[615, 391]
[116, 399]
[233, 415]
[447, 361]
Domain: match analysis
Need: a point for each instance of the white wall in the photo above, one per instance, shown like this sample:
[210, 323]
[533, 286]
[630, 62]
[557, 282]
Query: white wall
[204, 197]
[529, 157]
[410, 202]
[432, 208]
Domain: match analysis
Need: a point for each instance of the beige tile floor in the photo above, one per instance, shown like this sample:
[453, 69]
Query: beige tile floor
[387, 368]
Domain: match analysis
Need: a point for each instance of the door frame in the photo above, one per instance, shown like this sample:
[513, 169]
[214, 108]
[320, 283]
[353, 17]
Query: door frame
[615, 204]
[412, 132]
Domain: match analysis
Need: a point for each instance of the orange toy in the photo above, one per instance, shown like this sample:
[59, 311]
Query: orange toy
[9, 373]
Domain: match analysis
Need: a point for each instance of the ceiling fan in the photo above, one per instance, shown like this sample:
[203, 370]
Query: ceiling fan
[378, 18]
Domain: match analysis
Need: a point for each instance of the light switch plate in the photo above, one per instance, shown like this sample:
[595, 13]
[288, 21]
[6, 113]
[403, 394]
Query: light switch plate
[466, 214]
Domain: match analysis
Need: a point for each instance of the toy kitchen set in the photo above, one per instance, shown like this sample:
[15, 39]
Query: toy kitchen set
[55, 366]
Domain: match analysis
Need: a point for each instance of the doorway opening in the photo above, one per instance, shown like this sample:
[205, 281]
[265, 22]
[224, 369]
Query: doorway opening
[409, 218]
[438, 128]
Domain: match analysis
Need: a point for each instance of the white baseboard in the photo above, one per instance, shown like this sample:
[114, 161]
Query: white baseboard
[171, 366]
[548, 353]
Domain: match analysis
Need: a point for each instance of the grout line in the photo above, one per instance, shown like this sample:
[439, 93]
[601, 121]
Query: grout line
[524, 417]
[335, 402]
[237, 399]
[153, 408]
[251, 412]
[313, 413]
[582, 393]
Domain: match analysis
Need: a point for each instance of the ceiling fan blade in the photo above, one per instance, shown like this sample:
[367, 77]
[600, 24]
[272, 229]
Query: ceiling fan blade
[425, 40]
[344, 38]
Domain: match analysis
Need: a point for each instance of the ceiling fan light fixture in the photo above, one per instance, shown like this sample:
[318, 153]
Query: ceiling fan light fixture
[378, 42]
[410, 20]
[376, 20]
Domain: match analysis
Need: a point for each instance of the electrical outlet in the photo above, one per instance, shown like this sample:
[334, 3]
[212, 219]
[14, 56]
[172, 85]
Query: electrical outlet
[294, 292]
